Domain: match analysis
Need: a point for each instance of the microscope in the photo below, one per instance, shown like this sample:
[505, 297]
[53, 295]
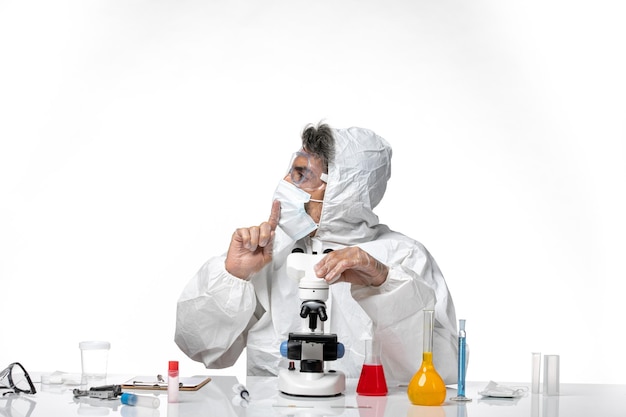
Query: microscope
[312, 347]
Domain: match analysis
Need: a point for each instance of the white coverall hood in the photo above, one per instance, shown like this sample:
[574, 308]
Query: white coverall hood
[357, 180]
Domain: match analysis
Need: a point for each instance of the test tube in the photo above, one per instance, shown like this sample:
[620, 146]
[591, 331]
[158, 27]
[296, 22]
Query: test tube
[172, 382]
[536, 371]
[551, 375]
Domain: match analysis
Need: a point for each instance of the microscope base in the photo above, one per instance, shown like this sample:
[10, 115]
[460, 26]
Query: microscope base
[311, 384]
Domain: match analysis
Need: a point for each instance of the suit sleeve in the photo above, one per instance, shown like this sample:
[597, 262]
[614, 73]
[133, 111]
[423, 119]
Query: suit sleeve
[413, 285]
[213, 314]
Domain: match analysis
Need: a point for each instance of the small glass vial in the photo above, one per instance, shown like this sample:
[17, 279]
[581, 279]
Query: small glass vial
[172, 382]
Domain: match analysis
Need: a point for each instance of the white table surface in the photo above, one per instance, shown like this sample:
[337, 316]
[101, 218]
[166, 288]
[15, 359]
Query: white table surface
[218, 399]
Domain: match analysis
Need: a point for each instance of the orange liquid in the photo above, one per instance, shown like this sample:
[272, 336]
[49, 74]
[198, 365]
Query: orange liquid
[426, 386]
[372, 381]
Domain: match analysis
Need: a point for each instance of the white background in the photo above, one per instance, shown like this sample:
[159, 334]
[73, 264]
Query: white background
[137, 135]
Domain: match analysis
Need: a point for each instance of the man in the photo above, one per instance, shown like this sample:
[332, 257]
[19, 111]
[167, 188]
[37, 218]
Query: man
[381, 280]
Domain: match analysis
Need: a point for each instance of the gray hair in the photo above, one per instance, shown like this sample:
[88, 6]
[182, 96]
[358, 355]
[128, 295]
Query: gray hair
[319, 141]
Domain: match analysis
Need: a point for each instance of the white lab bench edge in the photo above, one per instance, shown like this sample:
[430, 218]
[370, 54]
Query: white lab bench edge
[219, 398]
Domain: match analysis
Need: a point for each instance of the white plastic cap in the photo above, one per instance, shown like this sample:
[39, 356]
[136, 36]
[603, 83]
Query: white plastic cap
[94, 345]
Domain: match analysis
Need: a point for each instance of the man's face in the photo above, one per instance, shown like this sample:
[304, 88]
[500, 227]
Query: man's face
[305, 173]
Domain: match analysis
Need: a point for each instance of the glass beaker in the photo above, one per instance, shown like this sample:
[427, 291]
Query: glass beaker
[427, 386]
[372, 380]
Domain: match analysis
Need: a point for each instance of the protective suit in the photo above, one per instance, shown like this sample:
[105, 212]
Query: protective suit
[218, 315]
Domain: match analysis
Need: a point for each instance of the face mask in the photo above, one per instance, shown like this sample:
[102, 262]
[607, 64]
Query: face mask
[294, 220]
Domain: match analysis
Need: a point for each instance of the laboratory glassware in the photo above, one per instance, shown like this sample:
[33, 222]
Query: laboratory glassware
[372, 380]
[427, 387]
[536, 369]
[551, 375]
[462, 362]
[172, 382]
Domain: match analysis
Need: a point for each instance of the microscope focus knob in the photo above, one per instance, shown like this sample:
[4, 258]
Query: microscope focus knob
[341, 350]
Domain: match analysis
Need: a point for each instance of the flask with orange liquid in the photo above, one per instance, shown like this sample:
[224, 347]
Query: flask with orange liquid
[372, 380]
[427, 386]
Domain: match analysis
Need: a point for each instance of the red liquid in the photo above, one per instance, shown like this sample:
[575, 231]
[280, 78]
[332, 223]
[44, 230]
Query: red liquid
[372, 381]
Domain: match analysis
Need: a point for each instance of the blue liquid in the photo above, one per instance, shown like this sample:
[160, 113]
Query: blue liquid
[461, 373]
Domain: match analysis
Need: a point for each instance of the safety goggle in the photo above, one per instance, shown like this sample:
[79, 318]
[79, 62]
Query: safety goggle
[17, 380]
[306, 175]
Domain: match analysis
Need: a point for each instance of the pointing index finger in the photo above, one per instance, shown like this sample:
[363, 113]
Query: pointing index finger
[275, 215]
